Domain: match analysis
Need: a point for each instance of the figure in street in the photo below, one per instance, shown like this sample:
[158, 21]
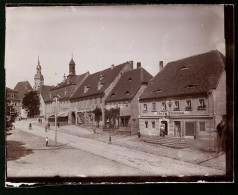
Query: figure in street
[48, 126]
[30, 126]
[58, 124]
[46, 141]
[221, 130]
[162, 129]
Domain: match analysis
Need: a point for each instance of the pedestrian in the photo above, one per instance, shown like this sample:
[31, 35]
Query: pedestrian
[30, 126]
[58, 124]
[48, 126]
[221, 131]
[46, 141]
[38, 120]
[162, 130]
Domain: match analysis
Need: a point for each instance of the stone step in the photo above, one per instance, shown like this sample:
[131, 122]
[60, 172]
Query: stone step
[173, 142]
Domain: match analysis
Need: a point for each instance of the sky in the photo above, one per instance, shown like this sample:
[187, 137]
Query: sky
[99, 36]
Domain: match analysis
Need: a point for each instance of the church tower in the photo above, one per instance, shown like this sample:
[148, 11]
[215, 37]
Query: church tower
[72, 75]
[39, 79]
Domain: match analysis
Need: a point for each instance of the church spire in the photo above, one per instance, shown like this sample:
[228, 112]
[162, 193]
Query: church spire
[38, 60]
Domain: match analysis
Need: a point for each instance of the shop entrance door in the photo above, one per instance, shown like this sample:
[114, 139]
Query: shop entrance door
[177, 129]
[190, 129]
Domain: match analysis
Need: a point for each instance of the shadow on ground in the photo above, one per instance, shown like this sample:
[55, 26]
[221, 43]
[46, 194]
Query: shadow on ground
[16, 150]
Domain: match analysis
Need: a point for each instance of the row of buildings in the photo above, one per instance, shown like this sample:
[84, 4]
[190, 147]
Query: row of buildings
[187, 96]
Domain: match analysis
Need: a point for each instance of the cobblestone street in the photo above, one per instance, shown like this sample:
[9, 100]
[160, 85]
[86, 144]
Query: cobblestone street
[83, 153]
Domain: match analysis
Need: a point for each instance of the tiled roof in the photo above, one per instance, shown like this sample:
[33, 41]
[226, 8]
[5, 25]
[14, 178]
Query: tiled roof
[192, 75]
[65, 90]
[11, 91]
[129, 84]
[105, 77]
[44, 91]
[77, 79]
[22, 87]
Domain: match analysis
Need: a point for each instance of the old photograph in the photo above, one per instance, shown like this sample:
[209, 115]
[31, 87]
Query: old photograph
[119, 91]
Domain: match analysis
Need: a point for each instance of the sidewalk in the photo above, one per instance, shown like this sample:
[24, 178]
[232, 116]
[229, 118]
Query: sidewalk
[132, 152]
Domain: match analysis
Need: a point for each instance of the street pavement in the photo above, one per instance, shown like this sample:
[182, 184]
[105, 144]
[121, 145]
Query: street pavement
[27, 156]
[146, 163]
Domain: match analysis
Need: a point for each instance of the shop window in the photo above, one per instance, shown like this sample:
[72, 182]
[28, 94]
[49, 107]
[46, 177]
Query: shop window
[154, 106]
[163, 106]
[176, 105]
[153, 124]
[202, 126]
[145, 107]
[146, 124]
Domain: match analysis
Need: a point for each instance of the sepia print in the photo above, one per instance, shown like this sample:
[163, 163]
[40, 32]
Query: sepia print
[129, 93]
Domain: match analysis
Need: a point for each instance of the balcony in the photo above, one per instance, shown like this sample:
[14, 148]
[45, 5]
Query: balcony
[203, 107]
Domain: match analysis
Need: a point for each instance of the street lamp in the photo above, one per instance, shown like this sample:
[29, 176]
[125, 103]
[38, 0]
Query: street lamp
[56, 101]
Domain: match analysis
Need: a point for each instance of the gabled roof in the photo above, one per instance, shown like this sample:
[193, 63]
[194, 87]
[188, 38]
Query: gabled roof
[192, 75]
[76, 80]
[44, 91]
[11, 91]
[129, 84]
[104, 77]
[22, 87]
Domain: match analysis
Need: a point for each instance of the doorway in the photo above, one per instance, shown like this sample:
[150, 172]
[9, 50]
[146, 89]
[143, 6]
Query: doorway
[177, 129]
[73, 118]
[165, 126]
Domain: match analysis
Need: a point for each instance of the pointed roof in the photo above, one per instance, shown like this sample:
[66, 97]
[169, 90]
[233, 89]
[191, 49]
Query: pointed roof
[104, 78]
[129, 84]
[22, 87]
[44, 91]
[193, 75]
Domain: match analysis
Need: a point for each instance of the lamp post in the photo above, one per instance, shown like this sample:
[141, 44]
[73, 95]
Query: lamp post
[56, 102]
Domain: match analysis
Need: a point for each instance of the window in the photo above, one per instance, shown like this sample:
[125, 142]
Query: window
[126, 105]
[202, 126]
[130, 79]
[145, 107]
[85, 89]
[201, 102]
[163, 106]
[154, 106]
[146, 124]
[153, 124]
[113, 95]
[189, 105]
[127, 93]
[176, 105]
[99, 85]
[202, 105]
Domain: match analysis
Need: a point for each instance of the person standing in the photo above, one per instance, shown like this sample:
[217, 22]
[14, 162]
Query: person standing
[30, 126]
[221, 130]
[46, 141]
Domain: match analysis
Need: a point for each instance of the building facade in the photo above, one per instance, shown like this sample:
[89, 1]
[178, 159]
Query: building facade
[93, 92]
[13, 99]
[125, 96]
[188, 98]
[63, 92]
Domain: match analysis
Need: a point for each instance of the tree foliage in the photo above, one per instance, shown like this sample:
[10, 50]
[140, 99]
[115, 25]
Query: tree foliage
[112, 115]
[10, 116]
[98, 113]
[31, 103]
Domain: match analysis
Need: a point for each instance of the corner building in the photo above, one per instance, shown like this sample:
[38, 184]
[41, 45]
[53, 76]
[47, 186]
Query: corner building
[189, 97]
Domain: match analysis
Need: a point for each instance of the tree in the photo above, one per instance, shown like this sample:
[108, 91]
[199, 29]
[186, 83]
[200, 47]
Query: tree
[10, 116]
[112, 115]
[31, 103]
[98, 113]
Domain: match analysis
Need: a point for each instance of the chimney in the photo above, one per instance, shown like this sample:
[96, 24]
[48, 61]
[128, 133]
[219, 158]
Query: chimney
[138, 64]
[160, 65]
[131, 63]
[112, 66]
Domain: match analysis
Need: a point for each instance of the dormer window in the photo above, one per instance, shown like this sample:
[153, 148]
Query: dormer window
[65, 91]
[101, 77]
[158, 90]
[183, 68]
[99, 85]
[127, 93]
[130, 79]
[86, 89]
[191, 86]
[113, 95]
